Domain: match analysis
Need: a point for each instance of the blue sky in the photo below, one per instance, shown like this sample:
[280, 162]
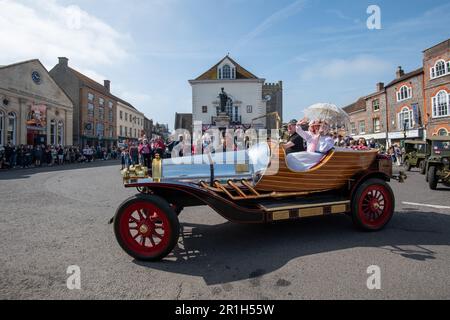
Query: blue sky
[321, 50]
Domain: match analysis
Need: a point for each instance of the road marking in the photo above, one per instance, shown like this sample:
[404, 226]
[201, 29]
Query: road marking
[426, 205]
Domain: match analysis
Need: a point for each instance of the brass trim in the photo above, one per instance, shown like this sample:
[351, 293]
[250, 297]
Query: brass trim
[306, 205]
[311, 212]
[341, 208]
[280, 215]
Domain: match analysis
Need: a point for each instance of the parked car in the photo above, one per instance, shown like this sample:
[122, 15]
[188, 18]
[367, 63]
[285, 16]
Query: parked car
[415, 154]
[260, 189]
[438, 161]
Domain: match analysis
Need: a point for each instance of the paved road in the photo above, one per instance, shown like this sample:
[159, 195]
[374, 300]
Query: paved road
[50, 219]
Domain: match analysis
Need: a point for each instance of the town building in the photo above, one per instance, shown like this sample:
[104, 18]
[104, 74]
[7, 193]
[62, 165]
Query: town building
[94, 120]
[368, 116]
[33, 108]
[148, 127]
[412, 106]
[130, 122]
[229, 96]
[405, 104]
[160, 131]
[358, 119]
[183, 121]
[376, 115]
[273, 94]
[436, 67]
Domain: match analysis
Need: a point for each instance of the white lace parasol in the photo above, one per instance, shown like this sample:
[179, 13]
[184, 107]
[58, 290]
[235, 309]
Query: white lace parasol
[335, 116]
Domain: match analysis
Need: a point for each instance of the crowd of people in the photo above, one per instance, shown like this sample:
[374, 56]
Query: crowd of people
[27, 156]
[144, 151]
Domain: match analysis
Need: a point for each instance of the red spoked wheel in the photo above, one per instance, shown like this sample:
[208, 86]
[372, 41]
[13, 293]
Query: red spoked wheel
[146, 227]
[373, 205]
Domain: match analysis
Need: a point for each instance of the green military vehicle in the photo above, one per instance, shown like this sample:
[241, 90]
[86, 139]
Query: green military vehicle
[438, 161]
[415, 155]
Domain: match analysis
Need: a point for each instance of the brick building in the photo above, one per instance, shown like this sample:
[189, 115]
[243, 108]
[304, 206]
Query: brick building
[376, 113]
[94, 106]
[405, 104]
[413, 105]
[358, 118]
[436, 66]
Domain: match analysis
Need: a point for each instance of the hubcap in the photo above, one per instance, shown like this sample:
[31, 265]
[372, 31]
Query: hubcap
[145, 228]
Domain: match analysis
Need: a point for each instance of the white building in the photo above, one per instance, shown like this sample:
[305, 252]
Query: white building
[245, 106]
[130, 122]
[33, 108]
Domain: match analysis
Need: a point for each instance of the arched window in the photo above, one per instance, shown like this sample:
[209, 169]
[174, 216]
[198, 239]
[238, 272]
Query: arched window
[53, 132]
[442, 132]
[60, 132]
[439, 69]
[2, 119]
[441, 104]
[226, 72]
[11, 128]
[404, 93]
[405, 119]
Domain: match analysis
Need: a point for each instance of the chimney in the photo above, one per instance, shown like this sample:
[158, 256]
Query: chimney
[380, 86]
[399, 72]
[107, 85]
[63, 61]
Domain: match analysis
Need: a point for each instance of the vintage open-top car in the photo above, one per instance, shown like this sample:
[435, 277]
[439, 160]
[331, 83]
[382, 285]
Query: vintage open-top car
[258, 189]
[438, 161]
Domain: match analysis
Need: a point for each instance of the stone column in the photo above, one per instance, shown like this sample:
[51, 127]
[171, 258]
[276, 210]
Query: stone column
[21, 122]
[68, 125]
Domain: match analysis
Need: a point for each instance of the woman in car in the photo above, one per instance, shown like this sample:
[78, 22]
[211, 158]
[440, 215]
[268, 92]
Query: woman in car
[318, 143]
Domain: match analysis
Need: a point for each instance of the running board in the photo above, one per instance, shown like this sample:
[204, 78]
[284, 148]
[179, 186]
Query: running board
[302, 210]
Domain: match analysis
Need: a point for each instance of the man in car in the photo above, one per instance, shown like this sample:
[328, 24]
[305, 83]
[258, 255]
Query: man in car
[295, 142]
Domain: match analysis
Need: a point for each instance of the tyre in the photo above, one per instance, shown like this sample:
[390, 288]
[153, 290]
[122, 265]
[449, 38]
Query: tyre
[407, 165]
[432, 179]
[372, 205]
[422, 167]
[146, 227]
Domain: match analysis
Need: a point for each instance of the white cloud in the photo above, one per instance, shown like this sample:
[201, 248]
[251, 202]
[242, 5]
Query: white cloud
[274, 18]
[46, 30]
[360, 66]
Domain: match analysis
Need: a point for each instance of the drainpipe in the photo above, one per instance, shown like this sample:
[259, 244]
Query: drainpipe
[387, 118]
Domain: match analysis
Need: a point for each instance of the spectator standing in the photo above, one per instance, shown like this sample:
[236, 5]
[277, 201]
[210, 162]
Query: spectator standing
[145, 152]
[134, 153]
[60, 153]
[38, 156]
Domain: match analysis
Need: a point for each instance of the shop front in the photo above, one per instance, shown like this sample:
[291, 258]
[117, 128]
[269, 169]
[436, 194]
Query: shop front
[37, 125]
[399, 137]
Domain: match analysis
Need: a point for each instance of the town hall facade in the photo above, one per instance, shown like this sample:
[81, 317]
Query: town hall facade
[227, 96]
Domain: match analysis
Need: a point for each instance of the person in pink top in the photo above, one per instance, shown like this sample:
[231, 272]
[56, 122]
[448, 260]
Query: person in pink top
[318, 143]
[145, 151]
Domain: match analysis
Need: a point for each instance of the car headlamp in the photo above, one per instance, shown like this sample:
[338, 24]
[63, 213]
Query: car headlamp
[445, 161]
